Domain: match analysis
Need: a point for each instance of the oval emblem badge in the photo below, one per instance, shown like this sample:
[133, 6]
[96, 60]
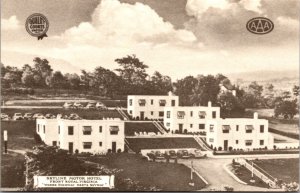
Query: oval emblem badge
[260, 25]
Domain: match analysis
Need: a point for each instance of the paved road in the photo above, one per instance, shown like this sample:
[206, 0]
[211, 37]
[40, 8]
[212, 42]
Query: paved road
[212, 170]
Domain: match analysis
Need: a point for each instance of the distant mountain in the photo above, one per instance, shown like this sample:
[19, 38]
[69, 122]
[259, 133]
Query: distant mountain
[17, 59]
[265, 76]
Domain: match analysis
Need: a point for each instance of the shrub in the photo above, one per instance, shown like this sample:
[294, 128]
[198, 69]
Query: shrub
[119, 151]
[215, 149]
[137, 118]
[176, 131]
[76, 151]
[220, 148]
[109, 151]
[37, 138]
[274, 147]
[230, 148]
[185, 131]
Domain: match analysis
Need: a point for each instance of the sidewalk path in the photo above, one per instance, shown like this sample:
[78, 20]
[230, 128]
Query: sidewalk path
[212, 170]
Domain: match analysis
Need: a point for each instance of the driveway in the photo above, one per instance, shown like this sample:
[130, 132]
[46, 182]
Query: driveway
[212, 170]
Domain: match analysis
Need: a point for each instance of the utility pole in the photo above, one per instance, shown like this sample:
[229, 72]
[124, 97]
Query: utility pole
[5, 141]
[192, 168]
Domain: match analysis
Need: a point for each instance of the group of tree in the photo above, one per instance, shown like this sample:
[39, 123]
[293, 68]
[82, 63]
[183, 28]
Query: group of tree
[132, 78]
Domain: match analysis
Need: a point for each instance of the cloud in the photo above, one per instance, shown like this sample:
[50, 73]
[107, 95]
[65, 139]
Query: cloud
[11, 23]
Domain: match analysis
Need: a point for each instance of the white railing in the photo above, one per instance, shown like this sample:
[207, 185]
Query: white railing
[267, 178]
[119, 109]
[159, 127]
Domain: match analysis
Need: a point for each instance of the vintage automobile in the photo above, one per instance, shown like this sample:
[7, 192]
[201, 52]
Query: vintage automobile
[38, 116]
[28, 116]
[159, 155]
[5, 117]
[100, 106]
[17, 116]
[68, 105]
[91, 105]
[183, 154]
[78, 105]
[197, 153]
[74, 116]
[172, 154]
[49, 116]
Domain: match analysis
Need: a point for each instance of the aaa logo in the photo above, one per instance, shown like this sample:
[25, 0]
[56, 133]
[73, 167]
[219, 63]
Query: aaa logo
[260, 25]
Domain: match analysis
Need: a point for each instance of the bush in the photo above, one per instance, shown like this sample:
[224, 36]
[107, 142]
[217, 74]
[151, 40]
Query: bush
[230, 148]
[220, 148]
[176, 131]
[37, 138]
[109, 151]
[76, 151]
[119, 151]
[215, 149]
[185, 131]
[274, 147]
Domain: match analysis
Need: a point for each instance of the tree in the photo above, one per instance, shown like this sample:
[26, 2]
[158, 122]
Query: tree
[42, 69]
[296, 90]
[57, 80]
[206, 89]
[160, 84]
[133, 72]
[255, 88]
[286, 108]
[230, 105]
[184, 89]
[28, 78]
[73, 80]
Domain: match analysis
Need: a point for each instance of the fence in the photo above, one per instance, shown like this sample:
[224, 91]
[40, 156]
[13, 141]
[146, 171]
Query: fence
[259, 172]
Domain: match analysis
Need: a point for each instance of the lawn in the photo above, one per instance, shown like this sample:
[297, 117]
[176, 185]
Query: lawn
[12, 168]
[83, 113]
[245, 175]
[284, 169]
[20, 134]
[165, 176]
[131, 127]
[136, 144]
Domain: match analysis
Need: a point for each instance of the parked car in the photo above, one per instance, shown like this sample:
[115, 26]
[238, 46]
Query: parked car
[28, 116]
[91, 106]
[159, 155]
[74, 116]
[101, 106]
[68, 105]
[183, 154]
[38, 116]
[5, 117]
[17, 116]
[49, 116]
[197, 153]
[172, 154]
[77, 105]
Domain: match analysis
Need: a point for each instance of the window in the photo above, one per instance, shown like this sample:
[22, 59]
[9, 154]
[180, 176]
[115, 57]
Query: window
[114, 130]
[214, 114]
[142, 102]
[38, 127]
[237, 127]
[173, 103]
[191, 125]
[130, 112]
[168, 124]
[261, 142]
[70, 130]
[211, 128]
[151, 101]
[225, 128]
[87, 145]
[130, 102]
[236, 141]
[168, 114]
[262, 128]
[180, 114]
[161, 113]
[201, 126]
[54, 143]
[100, 129]
[87, 130]
[100, 143]
[249, 128]
[211, 140]
[44, 128]
[191, 113]
[151, 112]
[248, 142]
[202, 114]
[58, 129]
[162, 103]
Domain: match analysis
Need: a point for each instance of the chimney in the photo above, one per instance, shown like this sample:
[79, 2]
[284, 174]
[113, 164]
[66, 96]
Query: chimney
[170, 93]
[209, 104]
[255, 115]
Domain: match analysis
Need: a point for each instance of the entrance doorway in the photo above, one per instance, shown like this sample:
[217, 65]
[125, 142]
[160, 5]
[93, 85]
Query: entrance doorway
[70, 147]
[142, 115]
[180, 128]
[225, 145]
[114, 147]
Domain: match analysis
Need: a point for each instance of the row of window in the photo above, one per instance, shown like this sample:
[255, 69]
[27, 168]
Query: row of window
[87, 130]
[44, 128]
[201, 114]
[247, 142]
[162, 102]
[248, 128]
[86, 145]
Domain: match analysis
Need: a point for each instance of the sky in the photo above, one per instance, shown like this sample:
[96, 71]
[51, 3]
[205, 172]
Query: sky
[177, 38]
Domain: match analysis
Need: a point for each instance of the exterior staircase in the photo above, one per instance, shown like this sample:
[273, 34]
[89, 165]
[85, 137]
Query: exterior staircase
[159, 126]
[202, 143]
[122, 113]
[127, 146]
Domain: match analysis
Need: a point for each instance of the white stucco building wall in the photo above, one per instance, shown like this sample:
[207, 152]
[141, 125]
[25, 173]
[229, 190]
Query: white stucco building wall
[149, 106]
[239, 133]
[94, 136]
[190, 118]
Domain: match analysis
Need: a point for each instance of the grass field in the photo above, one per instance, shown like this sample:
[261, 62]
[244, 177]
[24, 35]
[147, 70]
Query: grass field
[131, 127]
[284, 169]
[12, 168]
[83, 113]
[166, 176]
